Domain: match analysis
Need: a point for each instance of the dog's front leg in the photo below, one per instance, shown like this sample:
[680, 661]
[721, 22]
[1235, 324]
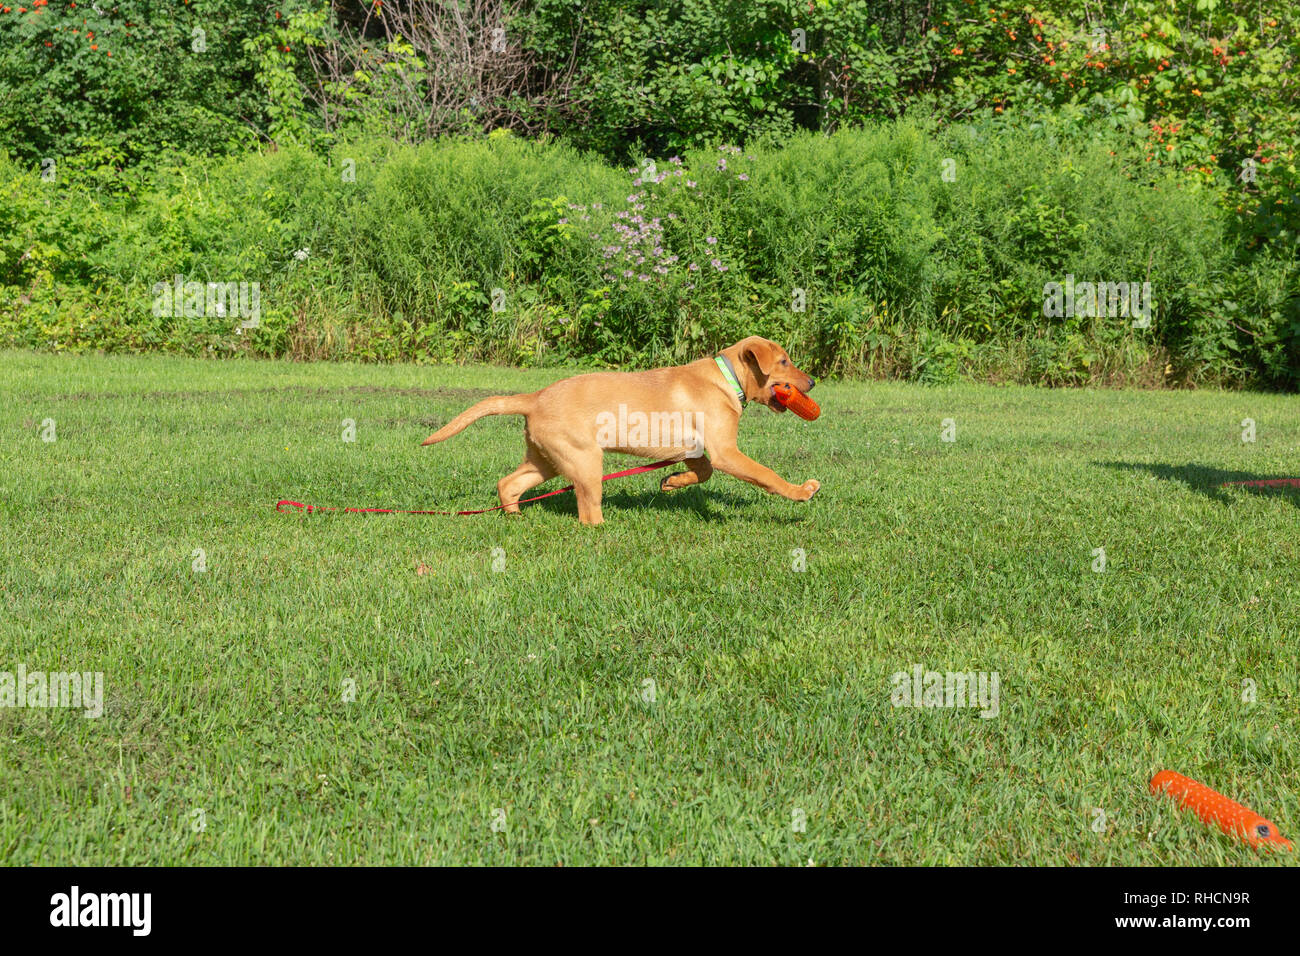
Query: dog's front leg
[698, 472]
[732, 461]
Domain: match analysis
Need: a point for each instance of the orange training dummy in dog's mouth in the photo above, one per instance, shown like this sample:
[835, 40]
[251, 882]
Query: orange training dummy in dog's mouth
[796, 401]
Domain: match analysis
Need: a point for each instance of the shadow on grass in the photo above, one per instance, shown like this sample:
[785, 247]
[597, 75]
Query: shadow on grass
[705, 503]
[1209, 481]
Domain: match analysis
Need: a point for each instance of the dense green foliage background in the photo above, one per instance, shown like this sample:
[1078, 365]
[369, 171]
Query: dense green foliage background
[1144, 141]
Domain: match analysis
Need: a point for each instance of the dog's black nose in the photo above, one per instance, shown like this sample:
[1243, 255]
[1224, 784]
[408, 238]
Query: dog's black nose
[812, 383]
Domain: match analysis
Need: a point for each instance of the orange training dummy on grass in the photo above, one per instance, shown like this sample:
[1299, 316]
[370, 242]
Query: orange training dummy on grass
[796, 401]
[1214, 807]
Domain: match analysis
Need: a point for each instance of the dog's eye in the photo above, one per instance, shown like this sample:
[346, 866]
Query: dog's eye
[785, 361]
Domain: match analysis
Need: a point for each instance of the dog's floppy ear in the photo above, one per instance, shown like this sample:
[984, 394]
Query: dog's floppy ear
[760, 353]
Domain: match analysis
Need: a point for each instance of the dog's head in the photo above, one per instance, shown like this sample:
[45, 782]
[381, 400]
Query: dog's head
[760, 363]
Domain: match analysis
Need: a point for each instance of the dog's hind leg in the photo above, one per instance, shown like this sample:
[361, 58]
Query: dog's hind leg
[534, 470]
[697, 473]
[583, 469]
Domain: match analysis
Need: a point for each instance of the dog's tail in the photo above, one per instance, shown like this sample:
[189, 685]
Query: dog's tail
[496, 405]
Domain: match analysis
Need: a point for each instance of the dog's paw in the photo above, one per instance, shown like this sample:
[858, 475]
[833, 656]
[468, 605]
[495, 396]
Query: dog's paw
[810, 488]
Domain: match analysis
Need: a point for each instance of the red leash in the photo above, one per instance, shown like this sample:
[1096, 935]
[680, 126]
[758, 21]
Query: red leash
[284, 504]
[1267, 483]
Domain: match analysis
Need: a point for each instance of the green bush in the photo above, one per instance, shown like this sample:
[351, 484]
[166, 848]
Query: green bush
[913, 252]
[137, 77]
[1204, 87]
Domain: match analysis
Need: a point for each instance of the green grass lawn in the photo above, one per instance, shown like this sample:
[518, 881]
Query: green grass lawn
[524, 688]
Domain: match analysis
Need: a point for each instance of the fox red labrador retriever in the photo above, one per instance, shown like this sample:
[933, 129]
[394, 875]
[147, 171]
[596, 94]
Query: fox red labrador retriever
[677, 413]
